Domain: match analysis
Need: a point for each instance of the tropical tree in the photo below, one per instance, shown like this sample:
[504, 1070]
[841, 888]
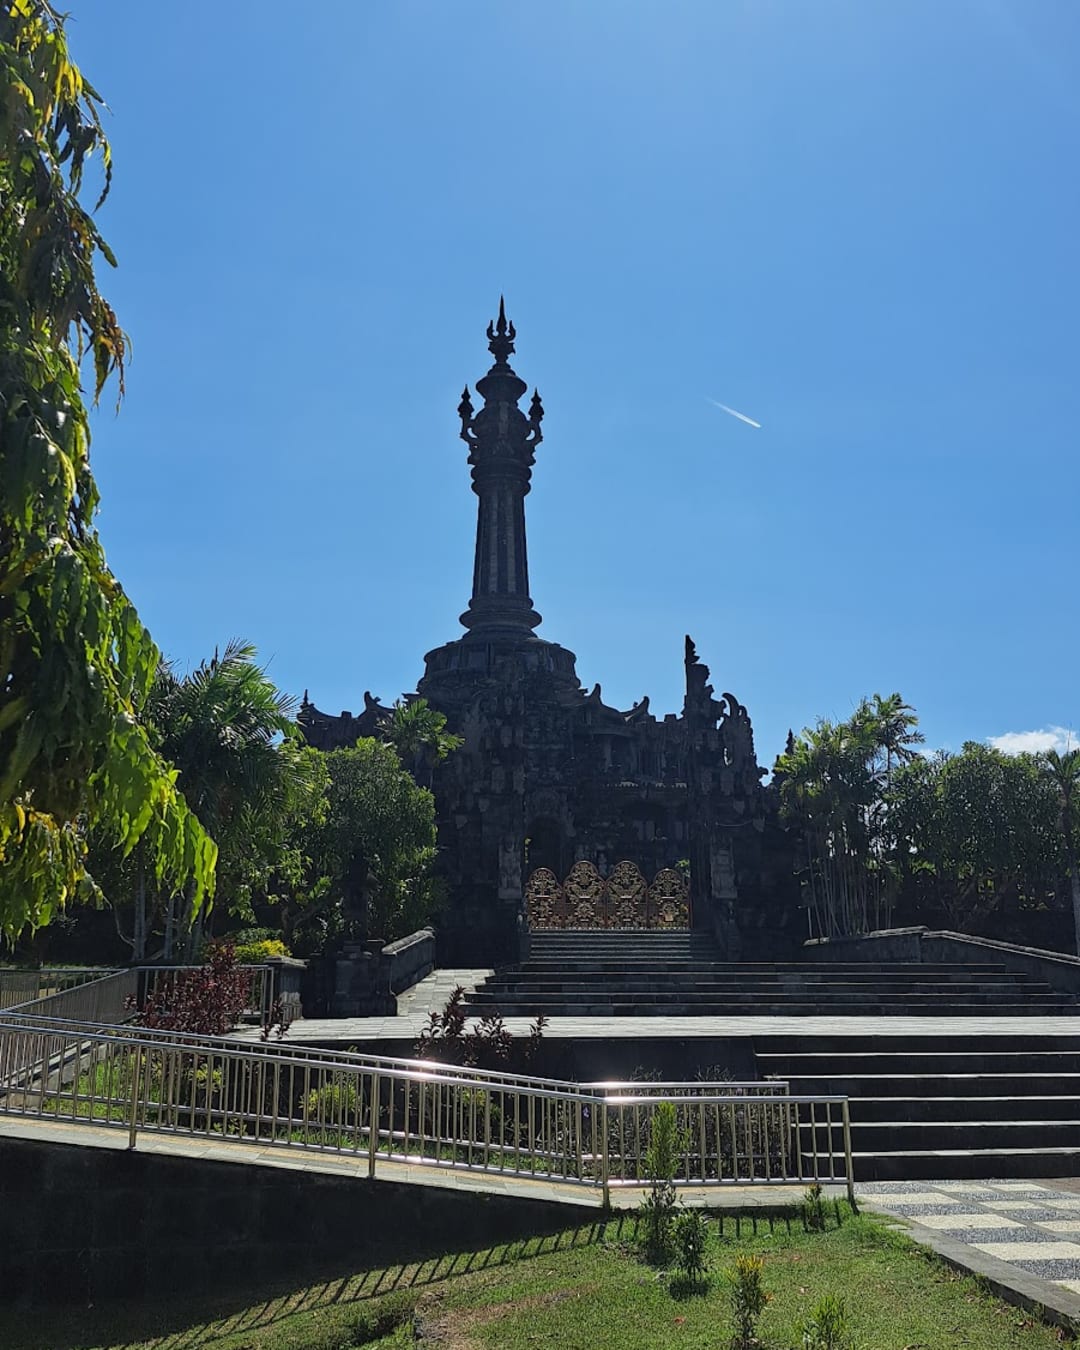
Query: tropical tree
[231, 734]
[418, 734]
[378, 844]
[76, 664]
[1063, 772]
[834, 784]
[974, 839]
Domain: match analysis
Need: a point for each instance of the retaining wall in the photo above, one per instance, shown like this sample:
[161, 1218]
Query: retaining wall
[87, 1223]
[924, 947]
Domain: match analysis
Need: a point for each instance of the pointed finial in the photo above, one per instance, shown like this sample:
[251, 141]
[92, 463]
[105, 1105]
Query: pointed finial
[501, 335]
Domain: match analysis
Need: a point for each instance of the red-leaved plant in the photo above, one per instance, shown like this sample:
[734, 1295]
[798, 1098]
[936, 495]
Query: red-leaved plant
[487, 1045]
[207, 1000]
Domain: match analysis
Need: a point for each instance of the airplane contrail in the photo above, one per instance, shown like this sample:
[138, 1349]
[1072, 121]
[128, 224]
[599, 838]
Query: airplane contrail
[733, 413]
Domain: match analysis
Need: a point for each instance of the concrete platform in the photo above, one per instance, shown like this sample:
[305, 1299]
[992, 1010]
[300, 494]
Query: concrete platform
[432, 993]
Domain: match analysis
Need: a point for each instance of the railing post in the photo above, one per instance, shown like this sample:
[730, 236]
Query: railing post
[136, 1074]
[848, 1162]
[605, 1182]
[373, 1124]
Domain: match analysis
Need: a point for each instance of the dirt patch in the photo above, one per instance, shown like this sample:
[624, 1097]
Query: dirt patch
[455, 1329]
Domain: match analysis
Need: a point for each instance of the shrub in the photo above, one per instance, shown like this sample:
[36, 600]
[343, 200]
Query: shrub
[335, 1102]
[207, 1000]
[489, 1045]
[826, 1327]
[813, 1208]
[748, 1300]
[253, 953]
[666, 1142]
[254, 945]
[691, 1233]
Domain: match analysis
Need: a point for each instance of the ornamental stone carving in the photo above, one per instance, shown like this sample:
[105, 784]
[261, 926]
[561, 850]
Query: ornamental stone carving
[623, 900]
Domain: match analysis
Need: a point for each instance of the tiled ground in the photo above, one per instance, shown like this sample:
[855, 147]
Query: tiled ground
[1034, 1227]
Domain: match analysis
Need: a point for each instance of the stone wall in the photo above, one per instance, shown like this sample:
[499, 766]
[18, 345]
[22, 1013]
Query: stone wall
[922, 945]
[85, 1224]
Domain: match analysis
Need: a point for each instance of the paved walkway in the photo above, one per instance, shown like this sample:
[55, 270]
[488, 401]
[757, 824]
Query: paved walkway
[1022, 1235]
[432, 993]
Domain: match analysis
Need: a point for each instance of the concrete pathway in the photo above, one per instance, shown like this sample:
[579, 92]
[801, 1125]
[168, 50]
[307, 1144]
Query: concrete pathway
[1023, 1236]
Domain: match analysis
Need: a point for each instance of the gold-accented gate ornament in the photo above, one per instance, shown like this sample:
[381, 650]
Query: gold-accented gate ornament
[623, 901]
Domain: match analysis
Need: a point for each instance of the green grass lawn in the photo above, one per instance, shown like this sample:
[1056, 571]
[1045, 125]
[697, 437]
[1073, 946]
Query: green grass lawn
[583, 1290]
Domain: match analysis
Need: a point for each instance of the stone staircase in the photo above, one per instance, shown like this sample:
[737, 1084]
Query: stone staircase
[930, 1105]
[650, 973]
[944, 1106]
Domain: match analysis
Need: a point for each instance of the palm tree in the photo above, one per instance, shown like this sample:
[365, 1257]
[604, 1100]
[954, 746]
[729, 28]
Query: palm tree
[418, 734]
[1064, 772]
[231, 734]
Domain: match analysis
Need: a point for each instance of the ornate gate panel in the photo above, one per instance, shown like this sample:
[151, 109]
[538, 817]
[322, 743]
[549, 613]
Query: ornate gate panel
[623, 901]
[545, 903]
[628, 894]
[586, 898]
[669, 900]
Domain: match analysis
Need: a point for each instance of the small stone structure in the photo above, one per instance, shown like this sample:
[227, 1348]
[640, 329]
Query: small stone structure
[550, 775]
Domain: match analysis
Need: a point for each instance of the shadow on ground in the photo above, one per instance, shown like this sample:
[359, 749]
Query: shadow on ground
[172, 1324]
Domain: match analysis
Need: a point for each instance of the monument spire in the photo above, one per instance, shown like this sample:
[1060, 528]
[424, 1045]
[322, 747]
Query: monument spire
[502, 442]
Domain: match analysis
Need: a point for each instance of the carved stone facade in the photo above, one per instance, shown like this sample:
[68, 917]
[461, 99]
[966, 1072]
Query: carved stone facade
[550, 776]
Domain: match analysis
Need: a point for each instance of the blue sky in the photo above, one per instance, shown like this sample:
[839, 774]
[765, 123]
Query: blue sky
[857, 223]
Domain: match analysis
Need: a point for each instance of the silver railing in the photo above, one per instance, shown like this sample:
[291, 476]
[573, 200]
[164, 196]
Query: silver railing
[260, 995]
[494, 1077]
[100, 994]
[19, 986]
[430, 1115]
[104, 999]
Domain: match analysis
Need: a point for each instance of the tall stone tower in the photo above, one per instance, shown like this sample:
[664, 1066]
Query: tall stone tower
[499, 678]
[549, 775]
[502, 446]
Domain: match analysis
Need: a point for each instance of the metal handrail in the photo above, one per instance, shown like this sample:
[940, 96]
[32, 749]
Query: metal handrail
[419, 1114]
[767, 1086]
[20, 985]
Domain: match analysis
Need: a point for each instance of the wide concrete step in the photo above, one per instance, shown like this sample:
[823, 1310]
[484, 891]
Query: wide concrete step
[967, 1085]
[905, 1136]
[687, 1007]
[1012, 1108]
[904, 1063]
[563, 978]
[664, 982]
[962, 1164]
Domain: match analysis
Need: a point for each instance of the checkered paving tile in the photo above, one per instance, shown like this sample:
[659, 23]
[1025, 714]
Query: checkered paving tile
[1035, 1228]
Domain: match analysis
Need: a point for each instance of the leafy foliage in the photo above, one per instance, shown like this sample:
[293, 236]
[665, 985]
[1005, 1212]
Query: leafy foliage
[748, 1299]
[418, 734]
[1063, 773]
[691, 1235]
[207, 1000]
[979, 840]
[657, 1209]
[813, 1208]
[826, 1327]
[76, 665]
[378, 843]
[243, 768]
[834, 782]
[447, 1038]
